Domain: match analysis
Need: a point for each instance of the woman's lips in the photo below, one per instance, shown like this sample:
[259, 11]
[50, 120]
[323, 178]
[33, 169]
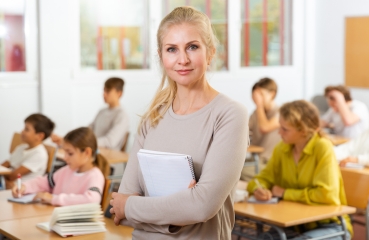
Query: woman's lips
[184, 72]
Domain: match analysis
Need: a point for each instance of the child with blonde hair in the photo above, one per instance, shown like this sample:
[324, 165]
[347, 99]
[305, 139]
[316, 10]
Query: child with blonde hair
[303, 168]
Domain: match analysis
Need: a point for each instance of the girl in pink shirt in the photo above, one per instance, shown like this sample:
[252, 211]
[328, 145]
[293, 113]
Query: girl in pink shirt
[77, 183]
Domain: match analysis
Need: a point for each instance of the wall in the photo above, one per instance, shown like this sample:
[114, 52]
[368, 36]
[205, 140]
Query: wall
[72, 98]
[330, 43]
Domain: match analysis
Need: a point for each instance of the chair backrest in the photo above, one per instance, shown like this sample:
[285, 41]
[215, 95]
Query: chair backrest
[103, 165]
[124, 147]
[321, 103]
[356, 184]
[51, 152]
[17, 140]
[105, 197]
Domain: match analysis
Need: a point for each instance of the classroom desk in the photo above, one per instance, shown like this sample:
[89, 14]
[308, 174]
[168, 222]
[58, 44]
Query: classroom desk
[11, 211]
[26, 229]
[337, 140]
[286, 214]
[4, 171]
[112, 156]
[255, 151]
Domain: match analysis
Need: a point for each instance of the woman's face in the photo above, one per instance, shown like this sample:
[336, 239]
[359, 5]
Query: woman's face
[289, 134]
[184, 55]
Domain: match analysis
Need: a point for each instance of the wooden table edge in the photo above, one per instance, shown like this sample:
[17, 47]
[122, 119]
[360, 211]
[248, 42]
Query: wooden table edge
[347, 210]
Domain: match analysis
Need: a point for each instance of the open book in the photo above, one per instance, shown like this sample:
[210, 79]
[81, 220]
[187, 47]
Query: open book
[75, 220]
[165, 173]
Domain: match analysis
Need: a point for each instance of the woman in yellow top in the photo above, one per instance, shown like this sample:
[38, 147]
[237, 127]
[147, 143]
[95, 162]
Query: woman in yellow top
[303, 168]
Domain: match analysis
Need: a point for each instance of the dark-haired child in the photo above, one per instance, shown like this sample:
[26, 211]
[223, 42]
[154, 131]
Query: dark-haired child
[30, 158]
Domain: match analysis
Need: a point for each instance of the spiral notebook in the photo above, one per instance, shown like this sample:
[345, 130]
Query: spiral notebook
[165, 173]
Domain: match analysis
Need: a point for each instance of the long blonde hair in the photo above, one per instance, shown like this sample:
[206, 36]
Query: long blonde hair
[303, 116]
[167, 90]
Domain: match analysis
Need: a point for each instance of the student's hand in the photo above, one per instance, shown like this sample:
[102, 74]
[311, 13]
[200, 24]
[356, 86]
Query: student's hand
[56, 139]
[192, 184]
[44, 197]
[118, 203]
[278, 191]
[258, 98]
[348, 159]
[262, 194]
[337, 96]
[18, 193]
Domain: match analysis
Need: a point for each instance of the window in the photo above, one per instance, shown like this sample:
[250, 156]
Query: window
[266, 32]
[114, 34]
[216, 10]
[12, 37]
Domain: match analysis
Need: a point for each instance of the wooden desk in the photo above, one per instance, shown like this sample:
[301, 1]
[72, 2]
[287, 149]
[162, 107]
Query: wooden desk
[112, 156]
[26, 229]
[11, 211]
[255, 151]
[282, 215]
[5, 171]
[286, 214]
[337, 140]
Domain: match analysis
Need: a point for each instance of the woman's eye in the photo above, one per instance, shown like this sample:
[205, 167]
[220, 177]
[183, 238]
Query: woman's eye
[171, 49]
[193, 47]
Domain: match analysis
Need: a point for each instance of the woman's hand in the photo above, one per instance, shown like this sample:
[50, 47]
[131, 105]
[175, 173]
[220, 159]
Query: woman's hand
[262, 194]
[44, 197]
[18, 192]
[118, 203]
[277, 191]
[347, 160]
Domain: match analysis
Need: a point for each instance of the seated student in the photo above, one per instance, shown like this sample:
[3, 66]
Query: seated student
[347, 117]
[30, 158]
[263, 123]
[112, 123]
[77, 183]
[354, 151]
[303, 168]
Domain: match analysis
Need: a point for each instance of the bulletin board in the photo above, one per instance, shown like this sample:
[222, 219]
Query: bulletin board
[357, 52]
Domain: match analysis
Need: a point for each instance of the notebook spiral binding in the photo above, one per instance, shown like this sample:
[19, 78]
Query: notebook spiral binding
[190, 162]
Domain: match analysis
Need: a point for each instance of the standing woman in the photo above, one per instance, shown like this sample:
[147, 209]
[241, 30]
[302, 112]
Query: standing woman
[186, 116]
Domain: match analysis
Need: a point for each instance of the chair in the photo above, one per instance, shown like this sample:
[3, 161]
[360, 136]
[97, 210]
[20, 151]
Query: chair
[356, 183]
[321, 103]
[51, 152]
[105, 196]
[124, 147]
[16, 141]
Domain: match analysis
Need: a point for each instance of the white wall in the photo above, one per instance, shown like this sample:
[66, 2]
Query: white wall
[330, 42]
[71, 97]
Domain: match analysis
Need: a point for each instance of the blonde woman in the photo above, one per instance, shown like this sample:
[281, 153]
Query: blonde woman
[303, 168]
[186, 116]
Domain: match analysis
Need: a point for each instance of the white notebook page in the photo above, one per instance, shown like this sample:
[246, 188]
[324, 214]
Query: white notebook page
[165, 173]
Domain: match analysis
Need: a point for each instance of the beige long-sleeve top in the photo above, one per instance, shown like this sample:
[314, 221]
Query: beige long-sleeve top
[110, 127]
[216, 136]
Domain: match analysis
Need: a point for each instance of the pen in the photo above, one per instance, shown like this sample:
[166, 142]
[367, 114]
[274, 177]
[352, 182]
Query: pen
[258, 183]
[19, 184]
